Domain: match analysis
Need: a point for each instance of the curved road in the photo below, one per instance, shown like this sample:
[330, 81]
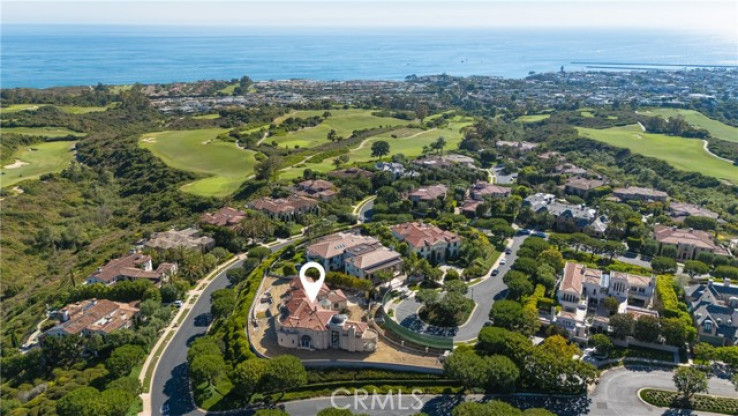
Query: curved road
[170, 390]
[615, 395]
[484, 293]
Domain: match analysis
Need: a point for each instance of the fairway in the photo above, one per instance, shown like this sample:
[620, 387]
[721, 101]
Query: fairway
[195, 151]
[717, 129]
[682, 153]
[408, 141]
[36, 160]
[71, 109]
[42, 131]
[343, 121]
[532, 118]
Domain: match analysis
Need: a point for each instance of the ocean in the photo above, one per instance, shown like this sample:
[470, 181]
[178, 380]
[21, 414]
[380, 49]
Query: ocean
[45, 56]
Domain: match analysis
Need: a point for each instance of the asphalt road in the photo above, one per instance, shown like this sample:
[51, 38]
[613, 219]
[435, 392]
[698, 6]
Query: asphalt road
[484, 294]
[615, 395]
[170, 392]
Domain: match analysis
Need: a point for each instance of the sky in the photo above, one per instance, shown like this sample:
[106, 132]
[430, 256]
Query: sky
[714, 17]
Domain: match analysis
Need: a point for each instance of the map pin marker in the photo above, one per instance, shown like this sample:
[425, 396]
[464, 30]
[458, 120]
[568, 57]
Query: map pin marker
[312, 288]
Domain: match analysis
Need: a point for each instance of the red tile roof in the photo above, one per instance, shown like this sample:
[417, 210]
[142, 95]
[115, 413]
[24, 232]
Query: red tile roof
[420, 234]
[224, 217]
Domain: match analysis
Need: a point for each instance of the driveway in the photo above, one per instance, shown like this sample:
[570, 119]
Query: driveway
[484, 294]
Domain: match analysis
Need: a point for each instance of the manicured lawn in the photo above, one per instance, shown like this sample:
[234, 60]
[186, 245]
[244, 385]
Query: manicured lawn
[408, 141]
[682, 153]
[40, 159]
[532, 118]
[695, 118]
[343, 121]
[71, 109]
[42, 131]
[75, 109]
[14, 108]
[195, 151]
[587, 114]
[206, 117]
[701, 402]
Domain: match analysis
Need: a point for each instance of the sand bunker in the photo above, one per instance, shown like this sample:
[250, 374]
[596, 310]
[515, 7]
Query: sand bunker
[149, 140]
[18, 163]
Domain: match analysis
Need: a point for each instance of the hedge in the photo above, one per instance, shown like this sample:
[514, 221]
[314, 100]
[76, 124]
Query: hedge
[538, 300]
[670, 305]
[715, 404]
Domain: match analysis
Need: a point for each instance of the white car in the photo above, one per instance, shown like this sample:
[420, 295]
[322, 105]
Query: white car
[503, 261]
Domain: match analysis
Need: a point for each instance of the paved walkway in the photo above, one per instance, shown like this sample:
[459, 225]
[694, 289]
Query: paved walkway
[484, 294]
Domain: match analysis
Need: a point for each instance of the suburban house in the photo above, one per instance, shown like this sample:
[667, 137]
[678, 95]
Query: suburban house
[714, 308]
[570, 169]
[522, 146]
[428, 241]
[224, 217]
[317, 188]
[681, 210]
[568, 217]
[583, 289]
[319, 325]
[688, 243]
[444, 161]
[468, 207]
[483, 190]
[285, 209]
[350, 173]
[358, 255]
[134, 266]
[187, 238]
[428, 194]
[582, 186]
[396, 169]
[636, 193]
[92, 316]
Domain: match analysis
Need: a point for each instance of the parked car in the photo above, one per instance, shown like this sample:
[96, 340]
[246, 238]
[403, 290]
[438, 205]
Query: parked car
[495, 272]
[488, 323]
[177, 303]
[540, 234]
[503, 261]
[524, 231]
[508, 251]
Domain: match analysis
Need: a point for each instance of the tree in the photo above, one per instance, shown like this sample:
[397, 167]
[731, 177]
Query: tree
[669, 251]
[689, 380]
[649, 247]
[537, 411]
[427, 296]
[259, 252]
[466, 367]
[553, 258]
[491, 408]
[283, 373]
[510, 314]
[79, 402]
[726, 272]
[622, 325]
[612, 304]
[380, 148]
[496, 340]
[664, 265]
[115, 402]
[517, 284]
[613, 249]
[700, 223]
[277, 412]
[207, 367]
[123, 359]
[222, 303]
[247, 376]
[675, 331]
[455, 286]
[439, 144]
[503, 374]
[236, 275]
[602, 344]
[695, 268]
[647, 329]
[704, 352]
